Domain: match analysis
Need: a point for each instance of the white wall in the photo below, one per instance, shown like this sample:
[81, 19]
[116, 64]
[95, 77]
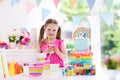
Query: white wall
[15, 16]
[11, 17]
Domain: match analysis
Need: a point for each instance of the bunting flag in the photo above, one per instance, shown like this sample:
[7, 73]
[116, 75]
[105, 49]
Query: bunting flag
[13, 2]
[82, 1]
[79, 0]
[76, 20]
[72, 3]
[45, 13]
[118, 12]
[92, 20]
[108, 3]
[90, 3]
[29, 6]
[108, 17]
[85, 24]
[38, 2]
[56, 3]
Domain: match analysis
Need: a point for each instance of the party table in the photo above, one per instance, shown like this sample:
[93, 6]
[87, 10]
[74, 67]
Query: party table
[50, 77]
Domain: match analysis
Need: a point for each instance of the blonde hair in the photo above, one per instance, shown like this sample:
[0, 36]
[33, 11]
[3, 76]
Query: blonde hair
[41, 34]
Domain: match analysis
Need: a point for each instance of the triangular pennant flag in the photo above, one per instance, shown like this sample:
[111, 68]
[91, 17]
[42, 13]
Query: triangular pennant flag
[82, 1]
[79, 0]
[108, 3]
[91, 3]
[108, 17]
[45, 13]
[38, 2]
[72, 3]
[13, 2]
[76, 20]
[29, 6]
[56, 3]
[118, 12]
[92, 20]
[85, 23]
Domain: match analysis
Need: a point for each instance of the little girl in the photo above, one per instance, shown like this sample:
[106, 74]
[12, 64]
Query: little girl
[52, 42]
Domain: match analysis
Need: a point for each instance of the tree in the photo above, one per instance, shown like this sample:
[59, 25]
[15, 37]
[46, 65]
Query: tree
[110, 38]
[80, 8]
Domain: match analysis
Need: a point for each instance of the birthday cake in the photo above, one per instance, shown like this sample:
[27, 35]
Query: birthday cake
[80, 60]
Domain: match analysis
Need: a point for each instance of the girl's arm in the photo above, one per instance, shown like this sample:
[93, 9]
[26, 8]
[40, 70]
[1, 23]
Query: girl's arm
[62, 52]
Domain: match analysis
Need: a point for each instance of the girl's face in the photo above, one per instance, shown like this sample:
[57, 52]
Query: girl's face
[51, 30]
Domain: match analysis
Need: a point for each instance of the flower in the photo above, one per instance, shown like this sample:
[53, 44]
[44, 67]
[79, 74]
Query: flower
[19, 36]
[3, 45]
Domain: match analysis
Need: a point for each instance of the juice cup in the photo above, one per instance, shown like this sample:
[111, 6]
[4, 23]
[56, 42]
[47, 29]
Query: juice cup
[51, 46]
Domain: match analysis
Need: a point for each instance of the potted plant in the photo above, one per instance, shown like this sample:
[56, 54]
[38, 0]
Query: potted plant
[111, 70]
[111, 64]
[18, 37]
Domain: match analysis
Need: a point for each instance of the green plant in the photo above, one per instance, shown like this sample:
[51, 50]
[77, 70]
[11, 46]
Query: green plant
[12, 38]
[111, 64]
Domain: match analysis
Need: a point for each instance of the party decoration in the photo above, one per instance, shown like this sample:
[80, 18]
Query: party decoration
[80, 60]
[90, 3]
[56, 3]
[81, 45]
[36, 69]
[11, 69]
[82, 31]
[2, 65]
[45, 13]
[13, 2]
[38, 2]
[85, 23]
[40, 57]
[1, 69]
[14, 68]
[108, 17]
[72, 3]
[19, 36]
[108, 3]
[3, 45]
[81, 38]
[29, 6]
[76, 20]
[82, 1]
[80, 63]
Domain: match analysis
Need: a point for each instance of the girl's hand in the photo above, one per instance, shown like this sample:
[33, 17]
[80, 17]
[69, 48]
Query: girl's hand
[47, 49]
[56, 50]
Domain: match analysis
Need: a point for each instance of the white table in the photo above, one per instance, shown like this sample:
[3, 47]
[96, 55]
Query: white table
[50, 77]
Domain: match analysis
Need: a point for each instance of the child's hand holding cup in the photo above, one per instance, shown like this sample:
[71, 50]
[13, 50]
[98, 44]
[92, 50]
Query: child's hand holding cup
[51, 48]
